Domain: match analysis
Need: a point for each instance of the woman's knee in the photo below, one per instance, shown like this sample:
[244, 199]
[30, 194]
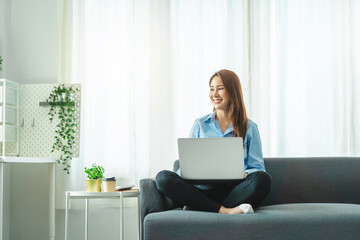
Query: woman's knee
[263, 181]
[261, 185]
[164, 179]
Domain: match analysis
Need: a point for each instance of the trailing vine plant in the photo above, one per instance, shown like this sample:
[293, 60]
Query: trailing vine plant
[62, 104]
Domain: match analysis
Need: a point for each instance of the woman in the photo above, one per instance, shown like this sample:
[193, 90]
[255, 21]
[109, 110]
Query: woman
[227, 120]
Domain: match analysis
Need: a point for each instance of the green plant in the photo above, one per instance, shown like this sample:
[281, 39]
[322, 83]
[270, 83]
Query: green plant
[96, 172]
[1, 63]
[62, 104]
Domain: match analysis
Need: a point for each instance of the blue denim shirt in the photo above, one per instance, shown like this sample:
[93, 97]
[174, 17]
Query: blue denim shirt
[208, 127]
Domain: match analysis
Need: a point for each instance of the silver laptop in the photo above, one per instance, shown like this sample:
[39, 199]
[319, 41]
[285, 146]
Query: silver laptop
[211, 158]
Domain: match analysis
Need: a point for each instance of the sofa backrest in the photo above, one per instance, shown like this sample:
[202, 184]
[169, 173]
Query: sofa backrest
[312, 180]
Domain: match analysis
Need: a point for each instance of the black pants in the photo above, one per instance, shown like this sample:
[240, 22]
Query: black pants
[252, 190]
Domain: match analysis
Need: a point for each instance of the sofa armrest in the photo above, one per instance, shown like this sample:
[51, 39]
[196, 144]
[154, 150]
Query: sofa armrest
[151, 200]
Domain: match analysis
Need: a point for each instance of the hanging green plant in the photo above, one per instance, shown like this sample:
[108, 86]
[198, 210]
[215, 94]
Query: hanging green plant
[62, 104]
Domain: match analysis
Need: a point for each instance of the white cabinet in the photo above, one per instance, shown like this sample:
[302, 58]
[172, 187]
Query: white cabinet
[10, 115]
[10, 134]
[9, 118]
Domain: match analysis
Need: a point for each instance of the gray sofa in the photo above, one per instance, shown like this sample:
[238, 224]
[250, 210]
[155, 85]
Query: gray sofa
[310, 198]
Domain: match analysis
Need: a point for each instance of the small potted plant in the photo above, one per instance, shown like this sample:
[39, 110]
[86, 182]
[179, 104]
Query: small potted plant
[95, 176]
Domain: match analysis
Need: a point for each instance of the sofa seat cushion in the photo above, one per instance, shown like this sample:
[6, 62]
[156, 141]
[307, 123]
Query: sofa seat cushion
[283, 221]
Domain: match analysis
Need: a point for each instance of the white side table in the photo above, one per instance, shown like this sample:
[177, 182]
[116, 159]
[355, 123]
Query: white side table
[101, 195]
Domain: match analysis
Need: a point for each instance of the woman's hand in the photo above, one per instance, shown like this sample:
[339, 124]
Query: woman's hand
[246, 175]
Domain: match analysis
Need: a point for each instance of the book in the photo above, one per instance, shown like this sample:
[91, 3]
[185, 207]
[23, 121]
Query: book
[125, 187]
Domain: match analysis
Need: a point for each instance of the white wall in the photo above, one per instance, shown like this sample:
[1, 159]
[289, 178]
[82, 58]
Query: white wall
[29, 40]
[30, 49]
[4, 16]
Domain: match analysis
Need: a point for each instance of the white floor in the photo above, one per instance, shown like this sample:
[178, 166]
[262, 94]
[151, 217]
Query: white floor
[103, 224]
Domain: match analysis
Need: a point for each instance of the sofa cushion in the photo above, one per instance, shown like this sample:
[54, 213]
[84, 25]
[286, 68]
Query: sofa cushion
[284, 221]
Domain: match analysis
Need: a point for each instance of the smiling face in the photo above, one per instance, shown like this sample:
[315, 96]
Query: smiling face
[218, 94]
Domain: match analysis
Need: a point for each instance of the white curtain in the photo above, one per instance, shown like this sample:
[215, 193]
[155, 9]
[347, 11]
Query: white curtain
[144, 67]
[304, 76]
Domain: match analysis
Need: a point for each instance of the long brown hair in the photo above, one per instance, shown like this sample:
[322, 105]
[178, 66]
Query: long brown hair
[237, 111]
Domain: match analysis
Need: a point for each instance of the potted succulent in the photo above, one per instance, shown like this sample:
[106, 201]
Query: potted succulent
[95, 176]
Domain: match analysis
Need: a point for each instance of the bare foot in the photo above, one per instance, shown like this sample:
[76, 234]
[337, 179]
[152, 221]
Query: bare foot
[235, 210]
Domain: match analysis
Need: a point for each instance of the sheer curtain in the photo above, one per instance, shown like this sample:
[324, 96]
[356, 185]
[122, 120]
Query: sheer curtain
[144, 67]
[304, 79]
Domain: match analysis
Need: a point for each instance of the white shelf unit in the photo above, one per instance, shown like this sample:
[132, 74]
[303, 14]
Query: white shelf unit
[9, 117]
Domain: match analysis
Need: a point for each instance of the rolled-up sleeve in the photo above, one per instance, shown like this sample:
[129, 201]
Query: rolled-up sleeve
[255, 160]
